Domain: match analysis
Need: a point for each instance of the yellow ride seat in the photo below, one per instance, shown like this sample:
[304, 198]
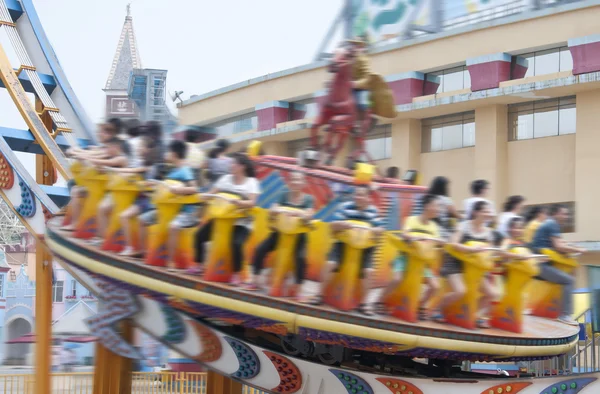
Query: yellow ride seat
[508, 313]
[95, 182]
[476, 266]
[224, 214]
[168, 206]
[403, 301]
[544, 297]
[344, 291]
[289, 228]
[124, 189]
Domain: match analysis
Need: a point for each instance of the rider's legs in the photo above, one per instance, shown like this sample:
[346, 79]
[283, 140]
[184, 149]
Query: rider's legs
[551, 274]
[202, 236]
[240, 235]
[260, 254]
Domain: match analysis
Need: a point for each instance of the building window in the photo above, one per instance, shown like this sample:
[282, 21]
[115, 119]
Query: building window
[452, 79]
[304, 109]
[1, 286]
[237, 124]
[448, 132]
[57, 291]
[539, 119]
[379, 144]
[74, 288]
[549, 61]
[569, 225]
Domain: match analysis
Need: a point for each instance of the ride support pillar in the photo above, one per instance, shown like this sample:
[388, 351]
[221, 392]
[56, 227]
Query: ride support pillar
[219, 384]
[45, 175]
[113, 372]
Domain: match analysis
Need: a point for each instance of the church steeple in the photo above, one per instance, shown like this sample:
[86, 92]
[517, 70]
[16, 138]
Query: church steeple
[126, 57]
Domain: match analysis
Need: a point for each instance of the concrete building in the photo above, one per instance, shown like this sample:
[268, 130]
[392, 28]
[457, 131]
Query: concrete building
[513, 100]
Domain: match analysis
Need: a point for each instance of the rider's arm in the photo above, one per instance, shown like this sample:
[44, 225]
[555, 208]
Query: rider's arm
[118, 161]
[561, 246]
[455, 240]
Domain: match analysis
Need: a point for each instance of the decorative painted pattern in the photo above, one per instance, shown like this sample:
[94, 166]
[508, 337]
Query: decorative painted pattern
[569, 386]
[508, 388]
[247, 359]
[27, 207]
[175, 326]
[118, 304]
[352, 383]
[7, 175]
[211, 345]
[198, 310]
[398, 386]
[289, 374]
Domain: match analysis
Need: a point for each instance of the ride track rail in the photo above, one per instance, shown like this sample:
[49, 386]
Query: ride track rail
[323, 325]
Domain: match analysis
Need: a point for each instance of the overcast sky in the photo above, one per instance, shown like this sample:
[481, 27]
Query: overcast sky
[203, 44]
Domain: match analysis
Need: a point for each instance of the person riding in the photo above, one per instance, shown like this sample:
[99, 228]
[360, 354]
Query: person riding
[424, 223]
[106, 132]
[439, 187]
[150, 154]
[294, 198]
[548, 236]
[218, 163]
[533, 220]
[474, 229]
[360, 210]
[188, 214]
[242, 181]
[479, 192]
[512, 209]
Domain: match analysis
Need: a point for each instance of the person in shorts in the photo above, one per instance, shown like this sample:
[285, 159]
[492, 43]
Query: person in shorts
[188, 216]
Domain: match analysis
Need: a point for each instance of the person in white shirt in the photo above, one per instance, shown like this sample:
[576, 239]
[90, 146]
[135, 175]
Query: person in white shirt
[133, 140]
[479, 191]
[241, 181]
[512, 209]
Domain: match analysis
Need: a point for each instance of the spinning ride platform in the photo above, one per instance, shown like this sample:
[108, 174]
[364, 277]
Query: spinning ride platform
[222, 303]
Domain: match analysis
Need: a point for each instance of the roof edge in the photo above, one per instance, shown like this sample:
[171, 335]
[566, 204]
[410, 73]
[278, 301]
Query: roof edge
[524, 16]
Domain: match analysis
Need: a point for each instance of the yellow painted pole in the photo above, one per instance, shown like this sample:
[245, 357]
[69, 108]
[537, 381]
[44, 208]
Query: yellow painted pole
[43, 288]
[127, 333]
[219, 384]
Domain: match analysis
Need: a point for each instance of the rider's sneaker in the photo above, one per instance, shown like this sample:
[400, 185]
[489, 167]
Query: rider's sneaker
[566, 319]
[96, 241]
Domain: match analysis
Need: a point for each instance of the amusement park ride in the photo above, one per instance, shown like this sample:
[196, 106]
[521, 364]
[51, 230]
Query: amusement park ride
[265, 339]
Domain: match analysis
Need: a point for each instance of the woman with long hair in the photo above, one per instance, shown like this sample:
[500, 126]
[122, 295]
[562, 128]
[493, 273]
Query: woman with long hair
[241, 181]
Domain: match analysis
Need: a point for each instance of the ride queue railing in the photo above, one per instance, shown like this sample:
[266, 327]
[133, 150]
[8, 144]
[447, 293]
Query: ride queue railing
[142, 383]
[584, 358]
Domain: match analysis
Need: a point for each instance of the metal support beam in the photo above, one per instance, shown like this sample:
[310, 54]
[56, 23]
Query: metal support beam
[47, 80]
[21, 140]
